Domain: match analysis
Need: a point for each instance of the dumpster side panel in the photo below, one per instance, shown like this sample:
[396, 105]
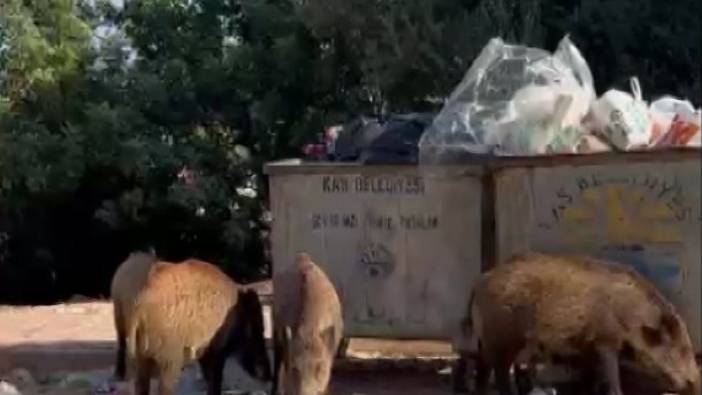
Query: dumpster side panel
[401, 248]
[646, 215]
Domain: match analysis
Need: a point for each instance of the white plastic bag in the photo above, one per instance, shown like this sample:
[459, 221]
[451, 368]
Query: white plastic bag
[543, 391]
[590, 143]
[675, 122]
[513, 100]
[696, 140]
[8, 389]
[550, 124]
[624, 119]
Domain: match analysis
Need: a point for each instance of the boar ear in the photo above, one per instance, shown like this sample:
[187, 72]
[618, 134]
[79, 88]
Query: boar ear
[249, 300]
[327, 337]
[670, 324]
[652, 336]
[252, 296]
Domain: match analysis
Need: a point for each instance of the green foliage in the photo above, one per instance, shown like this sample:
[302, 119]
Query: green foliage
[657, 41]
[47, 45]
[409, 55]
[145, 125]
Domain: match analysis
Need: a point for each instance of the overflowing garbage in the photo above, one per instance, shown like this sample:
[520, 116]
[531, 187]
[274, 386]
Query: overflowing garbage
[519, 101]
[8, 389]
[372, 140]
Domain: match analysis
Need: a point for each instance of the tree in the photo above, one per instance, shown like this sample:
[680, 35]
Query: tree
[409, 55]
[660, 43]
[148, 124]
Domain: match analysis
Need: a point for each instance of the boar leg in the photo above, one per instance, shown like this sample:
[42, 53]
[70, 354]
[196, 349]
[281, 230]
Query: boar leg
[460, 373]
[610, 363]
[212, 368]
[589, 380]
[278, 350]
[502, 377]
[498, 361]
[482, 376]
[343, 348]
[169, 369]
[142, 381]
[168, 380]
[120, 362]
[524, 377]
[483, 370]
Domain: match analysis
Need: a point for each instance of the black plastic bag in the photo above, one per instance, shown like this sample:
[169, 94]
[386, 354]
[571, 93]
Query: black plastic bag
[393, 140]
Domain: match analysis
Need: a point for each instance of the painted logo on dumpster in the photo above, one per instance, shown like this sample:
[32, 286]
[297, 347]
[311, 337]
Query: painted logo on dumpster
[635, 220]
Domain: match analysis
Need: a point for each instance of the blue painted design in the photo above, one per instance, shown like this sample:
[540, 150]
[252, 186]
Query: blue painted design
[660, 267]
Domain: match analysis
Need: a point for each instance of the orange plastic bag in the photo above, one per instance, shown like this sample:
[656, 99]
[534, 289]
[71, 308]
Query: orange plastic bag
[676, 122]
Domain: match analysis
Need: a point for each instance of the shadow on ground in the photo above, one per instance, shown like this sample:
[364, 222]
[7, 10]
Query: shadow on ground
[57, 356]
[93, 361]
[386, 377]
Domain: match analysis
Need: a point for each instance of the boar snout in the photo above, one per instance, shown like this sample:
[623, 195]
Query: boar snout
[689, 386]
[693, 388]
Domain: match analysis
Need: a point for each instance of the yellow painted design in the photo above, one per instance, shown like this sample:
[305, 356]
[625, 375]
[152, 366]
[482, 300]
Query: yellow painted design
[630, 218]
[591, 195]
[633, 196]
[663, 234]
[576, 214]
[657, 211]
[620, 227]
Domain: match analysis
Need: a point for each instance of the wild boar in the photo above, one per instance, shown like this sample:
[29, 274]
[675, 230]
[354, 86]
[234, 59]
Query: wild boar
[127, 282]
[308, 329]
[193, 311]
[581, 309]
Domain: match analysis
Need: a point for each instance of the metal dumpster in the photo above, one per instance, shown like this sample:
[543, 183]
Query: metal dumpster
[402, 244]
[640, 209]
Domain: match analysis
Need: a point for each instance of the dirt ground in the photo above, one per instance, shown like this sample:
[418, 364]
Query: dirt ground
[69, 349]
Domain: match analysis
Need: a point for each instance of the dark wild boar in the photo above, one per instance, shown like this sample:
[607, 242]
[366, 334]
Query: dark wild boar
[308, 329]
[128, 281]
[582, 310]
[193, 311]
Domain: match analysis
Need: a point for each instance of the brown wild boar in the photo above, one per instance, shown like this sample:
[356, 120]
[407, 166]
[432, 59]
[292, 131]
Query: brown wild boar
[193, 311]
[308, 329]
[127, 282]
[579, 309]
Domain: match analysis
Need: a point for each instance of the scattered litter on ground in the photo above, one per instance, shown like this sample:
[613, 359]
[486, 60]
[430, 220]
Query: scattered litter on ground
[8, 389]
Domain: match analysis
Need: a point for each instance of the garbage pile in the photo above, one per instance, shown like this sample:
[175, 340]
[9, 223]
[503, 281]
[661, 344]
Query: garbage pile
[520, 101]
[390, 140]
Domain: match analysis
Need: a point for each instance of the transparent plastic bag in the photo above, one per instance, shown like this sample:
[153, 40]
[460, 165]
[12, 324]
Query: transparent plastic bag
[514, 100]
[624, 119]
[676, 122]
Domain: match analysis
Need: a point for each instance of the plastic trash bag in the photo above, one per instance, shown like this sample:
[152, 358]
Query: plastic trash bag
[590, 143]
[514, 100]
[624, 119]
[8, 389]
[696, 140]
[391, 140]
[675, 122]
[355, 136]
[543, 391]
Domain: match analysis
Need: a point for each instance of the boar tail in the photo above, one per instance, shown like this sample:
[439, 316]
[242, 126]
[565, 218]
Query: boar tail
[465, 336]
[467, 323]
[133, 337]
